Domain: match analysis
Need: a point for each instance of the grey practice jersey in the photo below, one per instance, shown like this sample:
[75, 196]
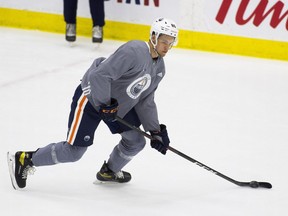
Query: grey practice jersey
[131, 76]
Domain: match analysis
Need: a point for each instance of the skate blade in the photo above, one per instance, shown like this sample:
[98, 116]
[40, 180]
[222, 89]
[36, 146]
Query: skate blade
[11, 167]
[104, 183]
[98, 182]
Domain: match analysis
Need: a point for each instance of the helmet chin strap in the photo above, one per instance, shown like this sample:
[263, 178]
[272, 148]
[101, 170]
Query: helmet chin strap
[154, 47]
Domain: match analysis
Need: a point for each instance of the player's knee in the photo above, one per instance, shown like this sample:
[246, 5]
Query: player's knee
[75, 152]
[141, 143]
[132, 143]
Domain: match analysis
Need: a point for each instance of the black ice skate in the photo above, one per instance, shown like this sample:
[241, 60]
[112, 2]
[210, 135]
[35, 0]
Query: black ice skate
[20, 166]
[107, 175]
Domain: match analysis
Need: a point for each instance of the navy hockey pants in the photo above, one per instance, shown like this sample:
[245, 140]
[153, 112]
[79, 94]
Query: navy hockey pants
[84, 120]
[96, 10]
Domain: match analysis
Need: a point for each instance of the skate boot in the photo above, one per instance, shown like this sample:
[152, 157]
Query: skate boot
[20, 166]
[107, 175]
[70, 32]
[97, 34]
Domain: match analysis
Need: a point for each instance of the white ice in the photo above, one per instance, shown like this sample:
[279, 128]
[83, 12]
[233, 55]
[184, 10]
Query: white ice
[228, 112]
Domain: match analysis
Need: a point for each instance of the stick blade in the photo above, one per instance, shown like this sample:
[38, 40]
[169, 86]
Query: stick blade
[255, 184]
[265, 185]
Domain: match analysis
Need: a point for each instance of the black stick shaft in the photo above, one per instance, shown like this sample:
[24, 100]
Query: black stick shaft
[261, 184]
[177, 152]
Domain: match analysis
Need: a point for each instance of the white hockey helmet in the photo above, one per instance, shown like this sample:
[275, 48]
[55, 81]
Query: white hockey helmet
[163, 26]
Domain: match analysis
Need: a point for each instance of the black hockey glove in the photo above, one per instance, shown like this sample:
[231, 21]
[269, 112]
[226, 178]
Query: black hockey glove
[109, 112]
[160, 139]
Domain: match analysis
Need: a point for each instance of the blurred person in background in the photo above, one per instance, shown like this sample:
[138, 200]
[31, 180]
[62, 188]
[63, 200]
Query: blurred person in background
[97, 15]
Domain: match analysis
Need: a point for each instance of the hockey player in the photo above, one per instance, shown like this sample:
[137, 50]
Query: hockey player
[122, 85]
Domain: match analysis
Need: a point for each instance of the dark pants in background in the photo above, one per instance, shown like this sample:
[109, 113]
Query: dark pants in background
[96, 10]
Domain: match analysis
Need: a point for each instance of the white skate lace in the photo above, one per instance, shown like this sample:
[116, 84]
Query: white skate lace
[119, 175]
[28, 171]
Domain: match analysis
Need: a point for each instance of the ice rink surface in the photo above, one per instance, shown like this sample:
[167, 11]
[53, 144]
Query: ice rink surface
[228, 112]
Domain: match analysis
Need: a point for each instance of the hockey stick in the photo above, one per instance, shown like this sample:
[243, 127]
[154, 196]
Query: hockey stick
[252, 184]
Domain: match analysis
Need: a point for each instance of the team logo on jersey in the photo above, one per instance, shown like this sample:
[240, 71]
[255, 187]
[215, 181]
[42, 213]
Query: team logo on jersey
[135, 89]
